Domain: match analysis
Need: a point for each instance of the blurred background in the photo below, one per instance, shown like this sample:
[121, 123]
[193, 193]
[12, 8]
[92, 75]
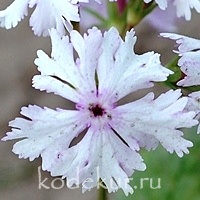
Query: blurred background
[180, 178]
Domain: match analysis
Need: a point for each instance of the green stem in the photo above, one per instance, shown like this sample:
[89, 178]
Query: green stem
[136, 11]
[102, 194]
[149, 9]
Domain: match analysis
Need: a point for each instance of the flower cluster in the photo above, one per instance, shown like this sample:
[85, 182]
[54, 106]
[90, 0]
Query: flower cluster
[96, 71]
[62, 12]
[47, 14]
[105, 71]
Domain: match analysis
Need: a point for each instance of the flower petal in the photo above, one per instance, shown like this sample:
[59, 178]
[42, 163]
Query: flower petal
[45, 128]
[184, 7]
[93, 159]
[185, 44]
[88, 49]
[189, 50]
[39, 21]
[131, 72]
[14, 13]
[59, 13]
[46, 15]
[190, 66]
[51, 84]
[159, 119]
[194, 105]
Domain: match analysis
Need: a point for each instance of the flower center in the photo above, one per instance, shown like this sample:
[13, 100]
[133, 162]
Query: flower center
[97, 110]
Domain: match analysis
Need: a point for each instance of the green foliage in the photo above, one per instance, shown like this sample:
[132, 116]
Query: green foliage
[174, 78]
[180, 177]
[133, 13]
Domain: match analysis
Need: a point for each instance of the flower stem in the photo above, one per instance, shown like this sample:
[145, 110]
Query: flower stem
[102, 194]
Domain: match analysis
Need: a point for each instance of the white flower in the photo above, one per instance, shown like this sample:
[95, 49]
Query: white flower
[105, 71]
[189, 50]
[47, 14]
[183, 6]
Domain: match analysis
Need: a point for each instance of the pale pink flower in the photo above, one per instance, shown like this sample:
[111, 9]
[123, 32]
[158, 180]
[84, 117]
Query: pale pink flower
[189, 51]
[47, 14]
[183, 6]
[105, 71]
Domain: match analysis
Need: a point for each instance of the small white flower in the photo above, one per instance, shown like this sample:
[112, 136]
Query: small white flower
[189, 50]
[47, 14]
[183, 6]
[105, 71]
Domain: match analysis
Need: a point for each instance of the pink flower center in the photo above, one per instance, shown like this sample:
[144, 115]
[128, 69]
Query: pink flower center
[97, 110]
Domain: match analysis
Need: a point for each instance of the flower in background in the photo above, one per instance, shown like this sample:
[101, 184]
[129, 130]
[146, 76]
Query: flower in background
[189, 50]
[111, 134]
[183, 7]
[164, 20]
[47, 14]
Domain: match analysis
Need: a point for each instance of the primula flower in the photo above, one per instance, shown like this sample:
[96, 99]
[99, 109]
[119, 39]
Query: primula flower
[105, 71]
[183, 7]
[189, 50]
[47, 14]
